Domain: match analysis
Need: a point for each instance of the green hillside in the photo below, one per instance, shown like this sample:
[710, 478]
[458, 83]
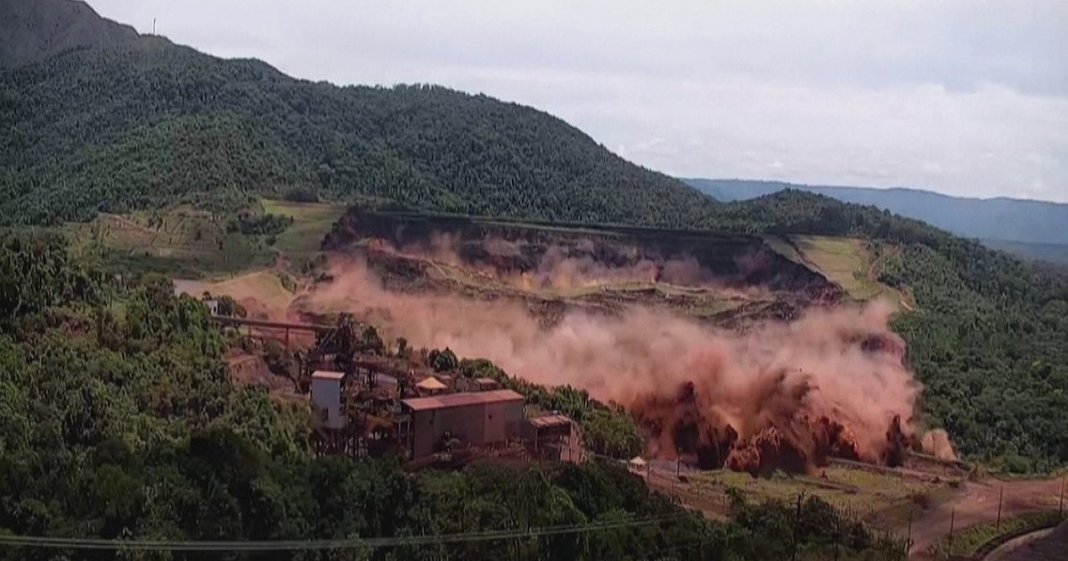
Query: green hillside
[148, 124]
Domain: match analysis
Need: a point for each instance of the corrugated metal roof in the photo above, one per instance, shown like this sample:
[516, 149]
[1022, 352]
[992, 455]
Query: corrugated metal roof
[550, 421]
[387, 365]
[460, 399]
[327, 375]
[431, 383]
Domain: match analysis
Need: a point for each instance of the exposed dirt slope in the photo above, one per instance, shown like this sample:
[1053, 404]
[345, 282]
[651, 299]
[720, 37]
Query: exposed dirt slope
[723, 278]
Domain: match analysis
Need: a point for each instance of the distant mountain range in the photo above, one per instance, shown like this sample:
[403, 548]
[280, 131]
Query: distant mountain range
[1006, 223]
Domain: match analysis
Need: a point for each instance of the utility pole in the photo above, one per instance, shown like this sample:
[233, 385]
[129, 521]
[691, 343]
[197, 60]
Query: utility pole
[153, 26]
[908, 540]
[952, 519]
[797, 527]
[837, 533]
[1001, 497]
[1060, 509]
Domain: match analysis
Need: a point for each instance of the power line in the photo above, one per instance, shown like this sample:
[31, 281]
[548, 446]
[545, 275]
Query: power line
[663, 553]
[296, 545]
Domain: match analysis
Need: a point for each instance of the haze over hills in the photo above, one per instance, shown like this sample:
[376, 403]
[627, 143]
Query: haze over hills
[69, 25]
[1008, 220]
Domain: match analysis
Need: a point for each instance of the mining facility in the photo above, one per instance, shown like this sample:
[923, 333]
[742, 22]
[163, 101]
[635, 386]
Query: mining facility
[366, 404]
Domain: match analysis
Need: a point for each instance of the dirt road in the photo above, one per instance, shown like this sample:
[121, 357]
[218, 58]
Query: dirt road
[1024, 547]
[661, 475]
[977, 503]
[970, 504]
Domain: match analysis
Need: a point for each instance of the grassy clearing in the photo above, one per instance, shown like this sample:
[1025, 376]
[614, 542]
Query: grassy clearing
[863, 493]
[968, 541]
[178, 241]
[311, 222]
[853, 264]
[134, 262]
[188, 243]
[260, 291]
[844, 261]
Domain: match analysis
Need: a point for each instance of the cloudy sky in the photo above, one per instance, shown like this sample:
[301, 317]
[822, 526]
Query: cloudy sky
[966, 97]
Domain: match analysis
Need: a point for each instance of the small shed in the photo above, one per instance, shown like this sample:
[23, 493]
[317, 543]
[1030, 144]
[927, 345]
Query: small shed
[549, 430]
[477, 384]
[485, 384]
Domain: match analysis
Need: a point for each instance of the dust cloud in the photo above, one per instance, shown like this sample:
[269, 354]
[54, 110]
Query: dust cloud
[778, 395]
[562, 267]
[937, 444]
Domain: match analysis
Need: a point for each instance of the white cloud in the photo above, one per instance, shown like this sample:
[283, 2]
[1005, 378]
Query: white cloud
[954, 96]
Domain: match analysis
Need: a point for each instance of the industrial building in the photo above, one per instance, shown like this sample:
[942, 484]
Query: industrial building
[477, 384]
[549, 436]
[326, 399]
[477, 418]
[367, 405]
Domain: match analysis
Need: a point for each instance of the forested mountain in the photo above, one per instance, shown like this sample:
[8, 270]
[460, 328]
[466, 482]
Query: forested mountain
[149, 123]
[1047, 254]
[1009, 220]
[31, 31]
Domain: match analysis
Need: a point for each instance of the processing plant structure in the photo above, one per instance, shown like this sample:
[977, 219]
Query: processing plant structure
[367, 404]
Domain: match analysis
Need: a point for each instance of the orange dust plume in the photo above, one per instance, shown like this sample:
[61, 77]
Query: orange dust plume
[778, 395]
[937, 444]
